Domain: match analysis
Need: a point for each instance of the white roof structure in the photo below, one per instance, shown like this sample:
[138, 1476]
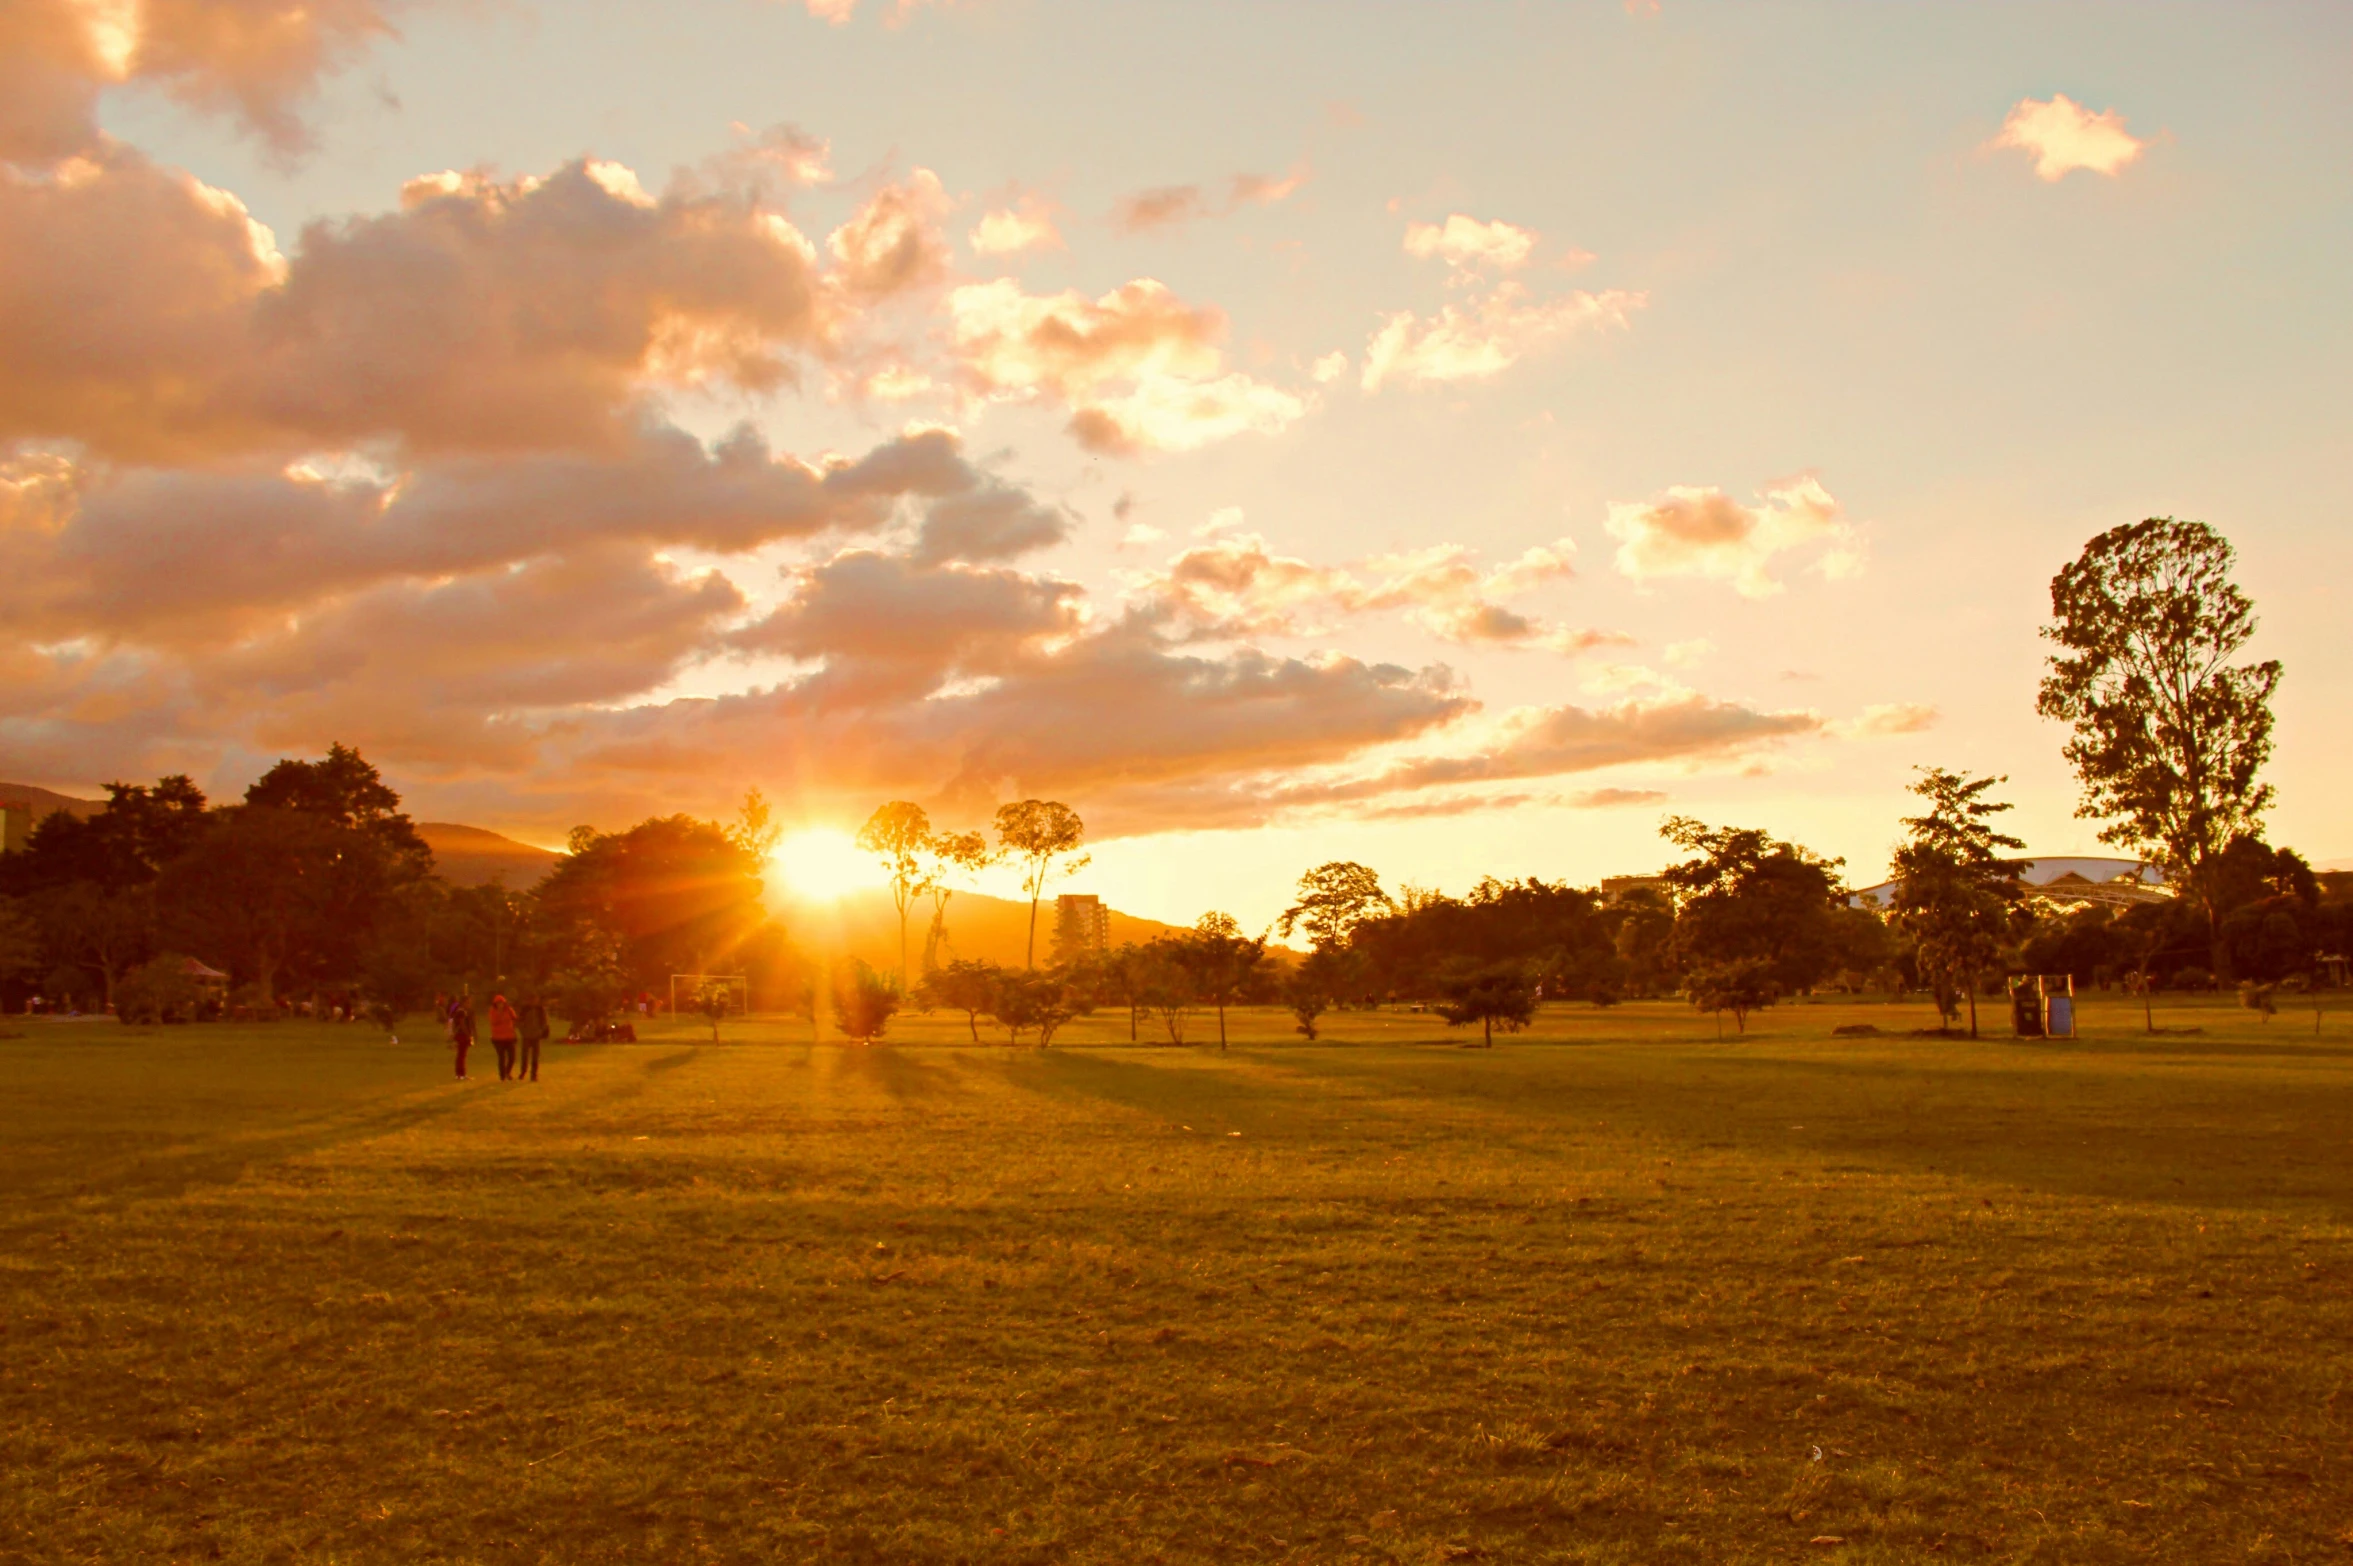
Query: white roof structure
[2068, 879]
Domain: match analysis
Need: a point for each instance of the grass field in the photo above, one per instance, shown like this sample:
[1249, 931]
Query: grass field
[1610, 1292]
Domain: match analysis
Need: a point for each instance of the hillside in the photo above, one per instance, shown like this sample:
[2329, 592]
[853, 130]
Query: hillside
[471, 856]
[980, 928]
[46, 801]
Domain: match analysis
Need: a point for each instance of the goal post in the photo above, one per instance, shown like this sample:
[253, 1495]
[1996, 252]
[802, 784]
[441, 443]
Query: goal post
[686, 991]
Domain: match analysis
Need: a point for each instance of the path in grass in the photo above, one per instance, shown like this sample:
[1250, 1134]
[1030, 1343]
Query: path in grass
[1609, 1292]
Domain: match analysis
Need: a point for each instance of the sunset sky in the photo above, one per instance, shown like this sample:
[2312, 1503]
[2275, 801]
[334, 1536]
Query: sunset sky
[1449, 436]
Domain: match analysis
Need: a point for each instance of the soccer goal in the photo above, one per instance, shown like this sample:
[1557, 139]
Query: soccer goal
[686, 992]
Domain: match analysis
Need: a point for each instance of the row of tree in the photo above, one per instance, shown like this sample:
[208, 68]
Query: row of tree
[316, 882]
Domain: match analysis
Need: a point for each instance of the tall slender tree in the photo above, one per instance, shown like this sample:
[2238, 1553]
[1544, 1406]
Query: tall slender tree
[1042, 836]
[950, 859]
[2170, 732]
[1954, 889]
[898, 835]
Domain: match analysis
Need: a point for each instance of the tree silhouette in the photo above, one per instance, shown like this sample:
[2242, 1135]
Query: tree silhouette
[898, 834]
[1037, 833]
[1333, 900]
[2169, 733]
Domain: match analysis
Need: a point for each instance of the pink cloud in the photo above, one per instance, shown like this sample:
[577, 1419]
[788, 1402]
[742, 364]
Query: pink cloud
[1706, 533]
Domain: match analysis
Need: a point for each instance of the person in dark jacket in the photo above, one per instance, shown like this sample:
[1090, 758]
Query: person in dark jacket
[461, 1031]
[530, 1032]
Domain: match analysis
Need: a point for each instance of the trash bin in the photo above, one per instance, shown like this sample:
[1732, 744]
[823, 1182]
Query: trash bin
[2062, 1017]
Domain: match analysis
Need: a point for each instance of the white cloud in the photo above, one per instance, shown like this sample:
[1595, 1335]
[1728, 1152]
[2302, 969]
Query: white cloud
[1465, 241]
[1026, 225]
[2063, 136]
[1486, 334]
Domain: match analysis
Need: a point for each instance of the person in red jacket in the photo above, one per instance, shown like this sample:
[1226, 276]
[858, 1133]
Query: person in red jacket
[502, 1036]
[461, 1032]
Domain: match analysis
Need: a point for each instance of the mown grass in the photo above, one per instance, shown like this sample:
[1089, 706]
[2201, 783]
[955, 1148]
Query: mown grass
[1610, 1292]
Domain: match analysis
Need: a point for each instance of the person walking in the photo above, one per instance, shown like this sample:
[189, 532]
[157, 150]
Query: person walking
[461, 1031]
[502, 1036]
[531, 1032]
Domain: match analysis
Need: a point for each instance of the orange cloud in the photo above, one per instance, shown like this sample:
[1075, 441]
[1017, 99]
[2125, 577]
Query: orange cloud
[193, 559]
[1706, 533]
[1233, 586]
[895, 243]
[1139, 368]
[257, 60]
[2062, 136]
[485, 314]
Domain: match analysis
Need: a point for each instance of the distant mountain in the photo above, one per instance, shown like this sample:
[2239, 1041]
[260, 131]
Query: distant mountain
[471, 856]
[46, 802]
[980, 928]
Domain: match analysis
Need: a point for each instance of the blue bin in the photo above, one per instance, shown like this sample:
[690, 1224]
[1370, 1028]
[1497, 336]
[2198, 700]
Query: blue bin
[2062, 1023]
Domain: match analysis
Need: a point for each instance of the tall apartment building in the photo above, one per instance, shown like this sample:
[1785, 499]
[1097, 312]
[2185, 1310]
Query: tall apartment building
[16, 825]
[1082, 926]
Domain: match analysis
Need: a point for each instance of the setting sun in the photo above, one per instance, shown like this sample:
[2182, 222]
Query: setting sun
[819, 864]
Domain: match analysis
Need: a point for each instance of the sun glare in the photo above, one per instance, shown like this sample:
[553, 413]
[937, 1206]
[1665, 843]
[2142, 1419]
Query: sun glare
[819, 864]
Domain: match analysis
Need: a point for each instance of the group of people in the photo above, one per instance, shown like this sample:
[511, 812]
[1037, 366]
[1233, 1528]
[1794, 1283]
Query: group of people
[516, 1033]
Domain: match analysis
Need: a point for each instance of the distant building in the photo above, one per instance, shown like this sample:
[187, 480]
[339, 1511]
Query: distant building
[2068, 882]
[1615, 887]
[1082, 926]
[16, 825]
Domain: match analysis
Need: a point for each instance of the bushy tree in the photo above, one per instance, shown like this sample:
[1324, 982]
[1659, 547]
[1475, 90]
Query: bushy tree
[1496, 995]
[1748, 902]
[1221, 964]
[1040, 1002]
[863, 1001]
[159, 991]
[1333, 900]
[1954, 889]
[1313, 985]
[2169, 732]
[1558, 931]
[1738, 985]
[968, 987]
[670, 895]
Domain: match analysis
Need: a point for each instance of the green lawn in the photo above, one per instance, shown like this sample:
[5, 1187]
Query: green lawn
[1610, 1292]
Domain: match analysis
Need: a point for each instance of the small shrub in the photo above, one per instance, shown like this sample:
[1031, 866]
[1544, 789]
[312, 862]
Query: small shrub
[161, 991]
[863, 1001]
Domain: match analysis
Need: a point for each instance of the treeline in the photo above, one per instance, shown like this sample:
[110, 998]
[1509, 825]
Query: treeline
[316, 886]
[1742, 921]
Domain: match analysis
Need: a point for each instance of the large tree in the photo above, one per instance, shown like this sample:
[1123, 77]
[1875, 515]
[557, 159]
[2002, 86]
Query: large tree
[670, 895]
[1334, 899]
[1752, 905]
[258, 894]
[1954, 889]
[1042, 836]
[141, 828]
[2170, 731]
